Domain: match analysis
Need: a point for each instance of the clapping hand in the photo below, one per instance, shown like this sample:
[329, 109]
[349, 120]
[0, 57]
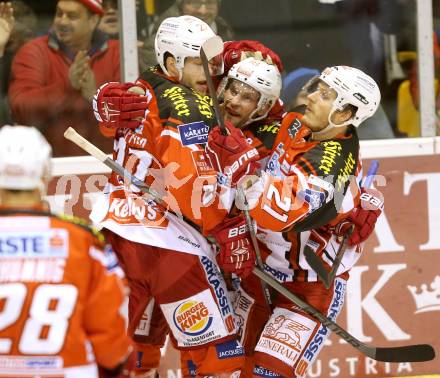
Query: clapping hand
[81, 75]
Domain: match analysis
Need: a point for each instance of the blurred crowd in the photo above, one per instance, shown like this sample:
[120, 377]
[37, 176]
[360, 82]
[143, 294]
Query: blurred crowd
[54, 55]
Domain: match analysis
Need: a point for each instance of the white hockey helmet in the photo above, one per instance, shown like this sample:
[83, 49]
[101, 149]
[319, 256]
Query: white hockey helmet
[24, 158]
[352, 87]
[182, 37]
[261, 76]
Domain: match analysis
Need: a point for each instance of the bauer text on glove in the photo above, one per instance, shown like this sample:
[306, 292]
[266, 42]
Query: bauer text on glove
[236, 253]
[363, 217]
[231, 154]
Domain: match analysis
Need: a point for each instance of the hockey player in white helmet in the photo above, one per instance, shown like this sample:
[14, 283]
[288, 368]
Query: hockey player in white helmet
[250, 91]
[357, 96]
[302, 199]
[24, 166]
[46, 258]
[165, 254]
[177, 46]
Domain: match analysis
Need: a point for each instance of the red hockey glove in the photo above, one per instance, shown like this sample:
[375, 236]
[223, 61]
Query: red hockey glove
[116, 107]
[363, 217]
[231, 154]
[236, 254]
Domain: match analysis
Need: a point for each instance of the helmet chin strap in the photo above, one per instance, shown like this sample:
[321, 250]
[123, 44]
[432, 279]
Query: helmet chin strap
[251, 116]
[330, 126]
[252, 119]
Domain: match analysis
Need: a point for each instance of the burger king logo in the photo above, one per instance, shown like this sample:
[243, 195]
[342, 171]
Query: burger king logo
[192, 318]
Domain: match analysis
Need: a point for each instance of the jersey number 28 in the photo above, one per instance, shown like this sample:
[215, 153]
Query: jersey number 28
[50, 310]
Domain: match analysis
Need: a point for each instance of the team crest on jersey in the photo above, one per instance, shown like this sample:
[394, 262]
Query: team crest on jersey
[192, 318]
[193, 133]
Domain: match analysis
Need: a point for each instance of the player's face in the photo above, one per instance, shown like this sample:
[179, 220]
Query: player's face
[73, 23]
[206, 10]
[193, 75]
[319, 104]
[240, 100]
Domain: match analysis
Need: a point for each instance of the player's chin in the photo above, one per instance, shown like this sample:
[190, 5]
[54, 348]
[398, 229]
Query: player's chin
[305, 119]
[236, 121]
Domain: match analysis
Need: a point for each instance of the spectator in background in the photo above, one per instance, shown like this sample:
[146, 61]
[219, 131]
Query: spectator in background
[293, 94]
[109, 23]
[54, 77]
[17, 26]
[206, 10]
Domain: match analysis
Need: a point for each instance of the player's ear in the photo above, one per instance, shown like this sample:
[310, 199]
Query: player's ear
[170, 64]
[341, 116]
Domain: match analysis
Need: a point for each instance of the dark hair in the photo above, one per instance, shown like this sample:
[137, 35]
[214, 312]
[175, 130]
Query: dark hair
[353, 109]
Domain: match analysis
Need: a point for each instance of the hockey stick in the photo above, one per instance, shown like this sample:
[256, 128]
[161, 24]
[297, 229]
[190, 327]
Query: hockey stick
[254, 240]
[211, 48]
[94, 151]
[315, 262]
[411, 353]
[408, 353]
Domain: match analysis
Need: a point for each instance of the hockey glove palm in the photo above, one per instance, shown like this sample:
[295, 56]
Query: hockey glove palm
[236, 253]
[117, 107]
[363, 217]
[231, 154]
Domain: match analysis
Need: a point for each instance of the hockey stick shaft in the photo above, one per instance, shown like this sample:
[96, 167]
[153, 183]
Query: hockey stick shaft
[400, 354]
[409, 353]
[314, 261]
[94, 151]
[254, 240]
[208, 50]
[212, 90]
[340, 254]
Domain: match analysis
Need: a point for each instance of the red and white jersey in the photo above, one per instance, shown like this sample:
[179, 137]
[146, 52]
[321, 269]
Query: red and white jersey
[307, 187]
[61, 296]
[167, 153]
